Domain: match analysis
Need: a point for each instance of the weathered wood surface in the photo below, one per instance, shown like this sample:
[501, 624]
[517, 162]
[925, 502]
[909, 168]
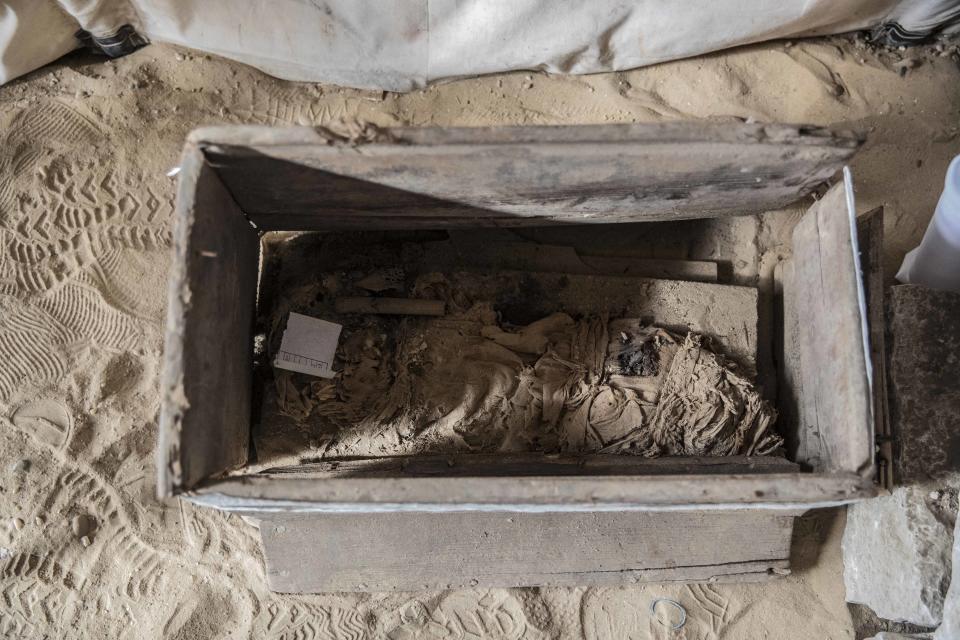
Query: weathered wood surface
[205, 411]
[533, 464]
[302, 493]
[835, 399]
[459, 254]
[802, 444]
[924, 382]
[414, 551]
[870, 236]
[302, 178]
[665, 132]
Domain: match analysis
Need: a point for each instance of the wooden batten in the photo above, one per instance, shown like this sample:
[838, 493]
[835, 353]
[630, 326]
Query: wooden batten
[408, 552]
[531, 464]
[825, 358]
[408, 178]
[870, 238]
[205, 410]
[306, 494]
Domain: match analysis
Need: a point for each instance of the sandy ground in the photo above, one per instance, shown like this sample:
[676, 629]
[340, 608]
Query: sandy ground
[85, 224]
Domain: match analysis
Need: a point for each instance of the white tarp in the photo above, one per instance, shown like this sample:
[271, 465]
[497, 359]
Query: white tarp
[404, 44]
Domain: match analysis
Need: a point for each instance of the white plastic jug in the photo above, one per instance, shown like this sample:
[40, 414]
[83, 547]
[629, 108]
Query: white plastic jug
[936, 262]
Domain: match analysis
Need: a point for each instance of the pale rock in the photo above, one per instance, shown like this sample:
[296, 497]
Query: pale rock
[896, 557]
[950, 627]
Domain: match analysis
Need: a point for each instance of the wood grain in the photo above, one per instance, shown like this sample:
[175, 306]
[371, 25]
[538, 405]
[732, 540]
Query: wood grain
[205, 411]
[870, 236]
[534, 464]
[302, 493]
[299, 179]
[836, 400]
[464, 254]
[802, 444]
[409, 552]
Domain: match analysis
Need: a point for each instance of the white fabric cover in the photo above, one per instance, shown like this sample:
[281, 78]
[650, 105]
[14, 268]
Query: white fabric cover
[400, 45]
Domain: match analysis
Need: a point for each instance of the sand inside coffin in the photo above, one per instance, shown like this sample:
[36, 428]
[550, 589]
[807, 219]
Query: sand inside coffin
[521, 361]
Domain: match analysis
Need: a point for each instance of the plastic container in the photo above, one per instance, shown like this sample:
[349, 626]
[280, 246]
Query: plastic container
[936, 262]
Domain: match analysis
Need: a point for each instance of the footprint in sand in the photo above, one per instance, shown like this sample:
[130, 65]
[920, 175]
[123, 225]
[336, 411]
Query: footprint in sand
[491, 615]
[624, 612]
[46, 420]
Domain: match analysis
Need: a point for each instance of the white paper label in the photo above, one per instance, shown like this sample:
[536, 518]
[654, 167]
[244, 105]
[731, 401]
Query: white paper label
[308, 346]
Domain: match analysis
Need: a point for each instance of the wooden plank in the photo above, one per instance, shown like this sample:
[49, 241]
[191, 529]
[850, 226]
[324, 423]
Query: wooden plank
[803, 444]
[536, 493]
[831, 319]
[870, 237]
[303, 178]
[691, 270]
[667, 132]
[533, 464]
[205, 410]
[462, 253]
[410, 552]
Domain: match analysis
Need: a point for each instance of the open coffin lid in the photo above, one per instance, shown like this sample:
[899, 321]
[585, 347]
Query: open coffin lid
[235, 182]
